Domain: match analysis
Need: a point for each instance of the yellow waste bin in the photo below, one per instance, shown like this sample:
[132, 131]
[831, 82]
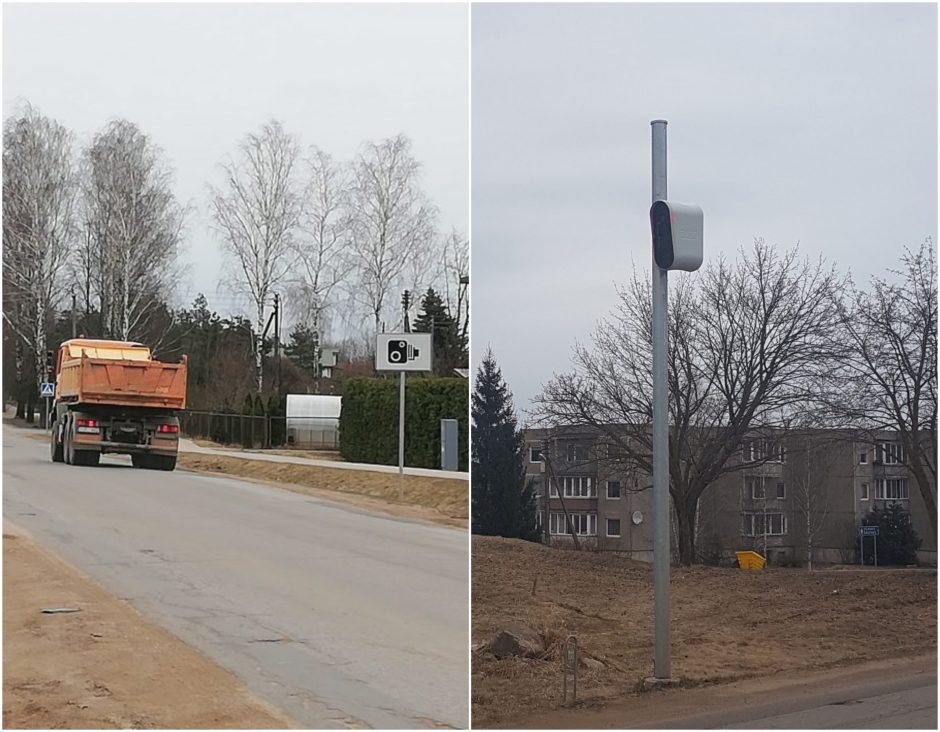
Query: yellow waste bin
[750, 561]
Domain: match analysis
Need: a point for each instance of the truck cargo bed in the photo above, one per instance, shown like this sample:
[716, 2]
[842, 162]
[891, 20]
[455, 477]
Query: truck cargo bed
[128, 383]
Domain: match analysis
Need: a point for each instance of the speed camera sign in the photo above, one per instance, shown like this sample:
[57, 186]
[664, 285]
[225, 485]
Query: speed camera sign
[403, 352]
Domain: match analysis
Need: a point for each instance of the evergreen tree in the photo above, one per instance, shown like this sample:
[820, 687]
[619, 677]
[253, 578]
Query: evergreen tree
[450, 348]
[304, 349]
[503, 504]
[897, 541]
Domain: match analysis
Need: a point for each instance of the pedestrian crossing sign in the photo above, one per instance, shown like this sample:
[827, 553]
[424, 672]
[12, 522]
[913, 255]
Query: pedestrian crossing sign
[47, 390]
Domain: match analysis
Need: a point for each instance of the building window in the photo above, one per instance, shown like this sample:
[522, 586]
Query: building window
[755, 487]
[535, 455]
[890, 453]
[863, 457]
[864, 492]
[613, 489]
[891, 489]
[584, 524]
[552, 489]
[754, 524]
[613, 527]
[577, 453]
[575, 486]
[781, 490]
[764, 450]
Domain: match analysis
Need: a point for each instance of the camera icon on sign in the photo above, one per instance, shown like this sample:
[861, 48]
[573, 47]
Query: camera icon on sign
[401, 352]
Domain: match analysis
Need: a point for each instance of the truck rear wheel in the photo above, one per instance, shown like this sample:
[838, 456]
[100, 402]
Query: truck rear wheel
[88, 458]
[153, 462]
[58, 450]
[163, 462]
[67, 449]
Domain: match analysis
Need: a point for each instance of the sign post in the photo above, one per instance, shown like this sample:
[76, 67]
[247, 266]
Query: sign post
[401, 437]
[46, 392]
[403, 352]
[677, 244]
[871, 531]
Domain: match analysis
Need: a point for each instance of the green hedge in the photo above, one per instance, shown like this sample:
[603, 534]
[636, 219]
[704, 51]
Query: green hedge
[368, 423]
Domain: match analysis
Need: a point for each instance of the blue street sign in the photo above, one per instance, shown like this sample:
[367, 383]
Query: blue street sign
[47, 390]
[869, 531]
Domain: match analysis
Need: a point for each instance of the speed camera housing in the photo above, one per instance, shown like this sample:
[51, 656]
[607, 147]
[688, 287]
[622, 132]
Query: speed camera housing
[677, 235]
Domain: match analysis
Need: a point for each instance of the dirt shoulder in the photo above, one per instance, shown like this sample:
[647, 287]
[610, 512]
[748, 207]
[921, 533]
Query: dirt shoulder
[727, 625]
[105, 666]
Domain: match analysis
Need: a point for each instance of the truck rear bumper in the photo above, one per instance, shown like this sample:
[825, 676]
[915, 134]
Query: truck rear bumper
[126, 448]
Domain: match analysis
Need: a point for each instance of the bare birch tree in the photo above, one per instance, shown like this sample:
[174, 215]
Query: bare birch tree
[393, 222]
[133, 229]
[811, 457]
[888, 378]
[39, 194]
[746, 343]
[258, 213]
[322, 246]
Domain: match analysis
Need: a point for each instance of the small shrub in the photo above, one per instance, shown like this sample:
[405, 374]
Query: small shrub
[897, 541]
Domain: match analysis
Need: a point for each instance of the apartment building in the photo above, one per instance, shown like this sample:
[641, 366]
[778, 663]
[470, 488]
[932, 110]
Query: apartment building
[609, 509]
[790, 492]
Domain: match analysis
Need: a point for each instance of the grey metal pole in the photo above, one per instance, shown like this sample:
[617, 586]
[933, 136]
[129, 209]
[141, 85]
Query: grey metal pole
[401, 439]
[661, 664]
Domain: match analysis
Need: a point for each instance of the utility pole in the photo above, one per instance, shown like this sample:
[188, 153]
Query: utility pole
[660, 428]
[277, 343]
[405, 304]
[74, 322]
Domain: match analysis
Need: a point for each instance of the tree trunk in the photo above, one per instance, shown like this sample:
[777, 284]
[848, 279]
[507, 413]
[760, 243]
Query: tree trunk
[30, 406]
[259, 345]
[18, 383]
[809, 540]
[685, 523]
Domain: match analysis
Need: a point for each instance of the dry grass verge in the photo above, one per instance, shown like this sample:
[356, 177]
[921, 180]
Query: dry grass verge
[443, 500]
[726, 624]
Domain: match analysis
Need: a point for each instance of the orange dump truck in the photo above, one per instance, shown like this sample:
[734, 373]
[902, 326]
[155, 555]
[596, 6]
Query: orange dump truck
[112, 396]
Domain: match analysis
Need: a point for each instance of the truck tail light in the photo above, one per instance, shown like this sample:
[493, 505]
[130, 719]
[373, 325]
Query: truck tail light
[168, 429]
[88, 426]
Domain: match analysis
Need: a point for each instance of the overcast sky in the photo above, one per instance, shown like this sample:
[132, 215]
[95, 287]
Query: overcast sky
[197, 78]
[814, 124]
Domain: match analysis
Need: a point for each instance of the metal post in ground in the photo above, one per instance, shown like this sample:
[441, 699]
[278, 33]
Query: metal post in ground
[660, 428]
[401, 438]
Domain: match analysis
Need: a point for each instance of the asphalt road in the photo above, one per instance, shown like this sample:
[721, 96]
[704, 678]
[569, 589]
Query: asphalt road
[337, 616]
[913, 708]
[892, 693]
[898, 699]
